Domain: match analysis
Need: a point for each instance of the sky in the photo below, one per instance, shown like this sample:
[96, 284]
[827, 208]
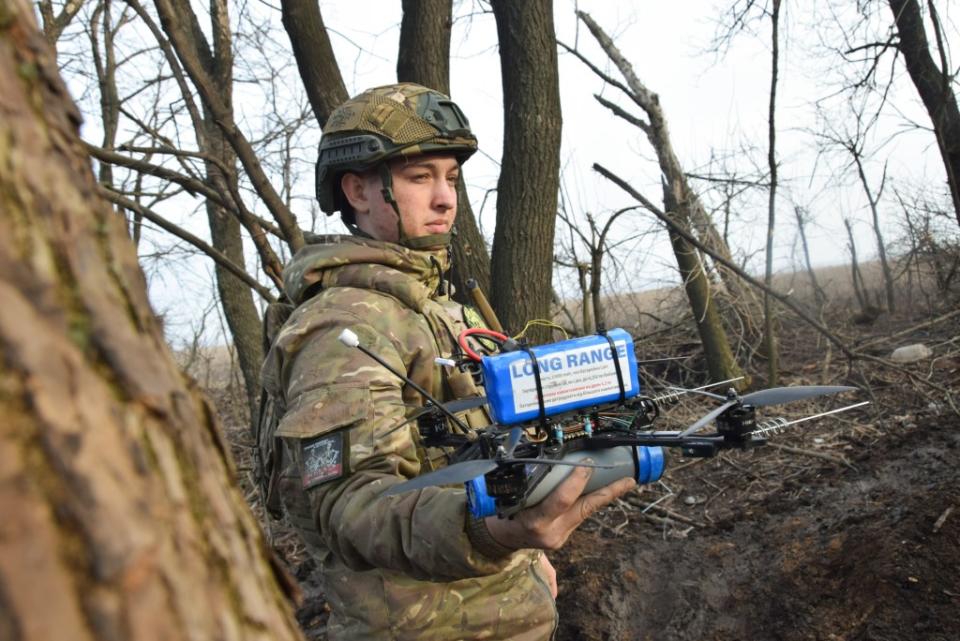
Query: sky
[716, 105]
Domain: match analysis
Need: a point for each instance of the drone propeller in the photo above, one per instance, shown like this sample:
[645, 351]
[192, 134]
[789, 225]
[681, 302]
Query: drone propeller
[779, 395]
[467, 470]
[762, 398]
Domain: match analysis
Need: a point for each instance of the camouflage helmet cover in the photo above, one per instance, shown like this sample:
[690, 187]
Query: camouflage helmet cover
[387, 122]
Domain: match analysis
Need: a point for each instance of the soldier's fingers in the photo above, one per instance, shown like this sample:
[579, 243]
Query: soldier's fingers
[565, 495]
[590, 503]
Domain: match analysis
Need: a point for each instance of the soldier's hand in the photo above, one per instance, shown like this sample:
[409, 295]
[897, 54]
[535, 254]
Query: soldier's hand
[548, 524]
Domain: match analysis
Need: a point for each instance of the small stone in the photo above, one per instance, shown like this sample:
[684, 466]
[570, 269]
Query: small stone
[911, 353]
[690, 500]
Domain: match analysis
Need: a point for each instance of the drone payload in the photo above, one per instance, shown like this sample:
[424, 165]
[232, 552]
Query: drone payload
[552, 379]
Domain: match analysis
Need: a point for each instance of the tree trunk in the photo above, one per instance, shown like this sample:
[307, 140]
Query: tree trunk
[182, 28]
[123, 521]
[424, 58]
[314, 55]
[819, 296]
[235, 297]
[424, 53]
[522, 265]
[875, 216]
[772, 352]
[859, 287]
[716, 348]
[934, 85]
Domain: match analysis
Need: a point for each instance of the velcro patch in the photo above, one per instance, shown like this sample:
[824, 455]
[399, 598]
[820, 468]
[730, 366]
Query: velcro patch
[322, 459]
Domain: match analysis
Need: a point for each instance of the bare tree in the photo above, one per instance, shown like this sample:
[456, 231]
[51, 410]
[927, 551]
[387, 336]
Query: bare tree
[314, 54]
[522, 262]
[771, 350]
[598, 245]
[853, 140]
[110, 457]
[424, 58]
[819, 296]
[934, 83]
[682, 204]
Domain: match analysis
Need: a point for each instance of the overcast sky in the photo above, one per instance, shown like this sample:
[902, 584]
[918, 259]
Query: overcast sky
[715, 104]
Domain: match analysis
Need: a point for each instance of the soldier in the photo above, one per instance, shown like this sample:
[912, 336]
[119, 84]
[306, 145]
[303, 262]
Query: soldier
[414, 565]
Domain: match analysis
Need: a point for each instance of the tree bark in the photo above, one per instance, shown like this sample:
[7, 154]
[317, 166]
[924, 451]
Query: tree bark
[424, 53]
[424, 58]
[314, 55]
[522, 265]
[124, 521]
[934, 85]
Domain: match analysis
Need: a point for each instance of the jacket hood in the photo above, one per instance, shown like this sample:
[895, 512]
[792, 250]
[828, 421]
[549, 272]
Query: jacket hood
[349, 261]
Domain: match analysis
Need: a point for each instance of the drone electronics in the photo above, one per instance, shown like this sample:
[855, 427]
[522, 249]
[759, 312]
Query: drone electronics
[573, 403]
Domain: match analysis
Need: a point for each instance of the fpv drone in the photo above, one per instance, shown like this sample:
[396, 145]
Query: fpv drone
[573, 403]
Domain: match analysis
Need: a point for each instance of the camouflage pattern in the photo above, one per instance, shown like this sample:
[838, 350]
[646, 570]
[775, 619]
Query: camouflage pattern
[399, 567]
[399, 120]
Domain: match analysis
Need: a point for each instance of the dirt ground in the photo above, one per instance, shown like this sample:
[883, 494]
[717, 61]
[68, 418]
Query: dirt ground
[801, 549]
[843, 528]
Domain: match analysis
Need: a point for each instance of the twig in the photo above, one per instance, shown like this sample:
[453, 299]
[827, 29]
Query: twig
[942, 519]
[687, 464]
[910, 330]
[823, 455]
[662, 510]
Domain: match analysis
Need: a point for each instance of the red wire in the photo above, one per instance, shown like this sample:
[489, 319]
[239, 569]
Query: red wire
[462, 339]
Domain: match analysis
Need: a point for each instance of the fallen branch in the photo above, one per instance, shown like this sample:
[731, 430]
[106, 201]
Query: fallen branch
[670, 514]
[910, 330]
[822, 455]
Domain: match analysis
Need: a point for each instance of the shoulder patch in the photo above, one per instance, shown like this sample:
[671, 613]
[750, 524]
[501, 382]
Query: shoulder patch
[472, 317]
[322, 459]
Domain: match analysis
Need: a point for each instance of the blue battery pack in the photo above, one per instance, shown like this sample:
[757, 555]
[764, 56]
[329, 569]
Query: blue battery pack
[575, 373]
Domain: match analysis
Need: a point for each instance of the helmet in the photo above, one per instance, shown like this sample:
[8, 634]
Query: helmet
[387, 122]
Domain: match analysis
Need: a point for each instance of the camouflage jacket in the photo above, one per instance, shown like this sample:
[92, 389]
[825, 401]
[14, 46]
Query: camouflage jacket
[399, 567]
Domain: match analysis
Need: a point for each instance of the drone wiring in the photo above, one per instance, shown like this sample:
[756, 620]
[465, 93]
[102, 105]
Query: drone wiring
[497, 337]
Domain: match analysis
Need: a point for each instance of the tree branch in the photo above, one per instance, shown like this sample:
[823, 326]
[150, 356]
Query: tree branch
[183, 234]
[786, 302]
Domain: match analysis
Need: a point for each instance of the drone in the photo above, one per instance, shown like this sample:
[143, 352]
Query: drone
[574, 403]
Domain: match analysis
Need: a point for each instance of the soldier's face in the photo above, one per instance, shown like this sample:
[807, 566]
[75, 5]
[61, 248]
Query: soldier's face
[425, 188]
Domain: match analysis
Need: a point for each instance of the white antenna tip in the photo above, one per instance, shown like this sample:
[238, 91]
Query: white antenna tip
[349, 338]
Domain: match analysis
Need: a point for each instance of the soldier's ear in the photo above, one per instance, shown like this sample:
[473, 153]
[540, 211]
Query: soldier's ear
[354, 187]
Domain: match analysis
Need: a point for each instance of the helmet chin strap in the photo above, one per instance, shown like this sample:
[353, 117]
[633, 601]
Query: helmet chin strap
[423, 242]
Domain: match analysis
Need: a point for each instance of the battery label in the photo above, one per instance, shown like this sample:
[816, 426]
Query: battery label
[574, 375]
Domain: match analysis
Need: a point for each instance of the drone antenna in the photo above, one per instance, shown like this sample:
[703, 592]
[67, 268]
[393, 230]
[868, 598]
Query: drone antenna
[350, 339]
[776, 425]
